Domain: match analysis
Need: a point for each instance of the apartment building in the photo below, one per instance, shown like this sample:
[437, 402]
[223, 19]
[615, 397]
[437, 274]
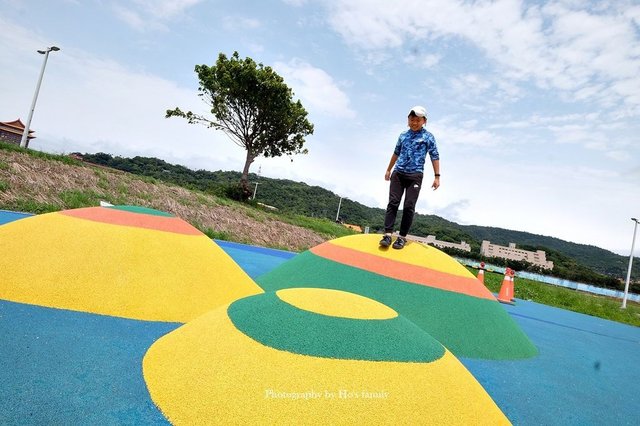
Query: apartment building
[431, 239]
[538, 257]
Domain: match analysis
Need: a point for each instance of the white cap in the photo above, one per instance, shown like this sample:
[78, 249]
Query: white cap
[418, 110]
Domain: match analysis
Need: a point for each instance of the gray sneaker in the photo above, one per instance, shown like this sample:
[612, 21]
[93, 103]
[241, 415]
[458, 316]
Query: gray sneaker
[385, 241]
[399, 243]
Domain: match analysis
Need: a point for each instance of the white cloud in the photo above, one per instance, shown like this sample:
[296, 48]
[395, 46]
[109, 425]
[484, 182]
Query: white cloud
[557, 45]
[151, 15]
[451, 132]
[235, 23]
[470, 84]
[296, 3]
[317, 89]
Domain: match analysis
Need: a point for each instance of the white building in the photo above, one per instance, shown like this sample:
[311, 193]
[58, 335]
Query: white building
[431, 239]
[538, 257]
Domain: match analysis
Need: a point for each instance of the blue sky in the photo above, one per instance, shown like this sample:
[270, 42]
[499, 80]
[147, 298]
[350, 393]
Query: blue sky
[535, 106]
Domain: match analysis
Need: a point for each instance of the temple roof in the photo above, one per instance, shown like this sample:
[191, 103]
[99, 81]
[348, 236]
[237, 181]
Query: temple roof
[16, 127]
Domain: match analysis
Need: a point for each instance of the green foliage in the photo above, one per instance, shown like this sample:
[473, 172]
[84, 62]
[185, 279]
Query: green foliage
[39, 154]
[4, 166]
[252, 105]
[217, 235]
[77, 199]
[3, 185]
[30, 206]
[233, 191]
[322, 226]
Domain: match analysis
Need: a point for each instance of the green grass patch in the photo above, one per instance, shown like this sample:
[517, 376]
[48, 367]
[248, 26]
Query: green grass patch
[4, 165]
[217, 235]
[148, 179]
[565, 298]
[322, 226]
[30, 206]
[123, 189]
[76, 199]
[103, 182]
[3, 185]
[39, 154]
[143, 196]
[204, 200]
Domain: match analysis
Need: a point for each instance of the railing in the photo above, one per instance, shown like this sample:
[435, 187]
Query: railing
[555, 281]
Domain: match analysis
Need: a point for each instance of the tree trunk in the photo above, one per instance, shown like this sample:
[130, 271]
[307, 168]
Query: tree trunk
[244, 179]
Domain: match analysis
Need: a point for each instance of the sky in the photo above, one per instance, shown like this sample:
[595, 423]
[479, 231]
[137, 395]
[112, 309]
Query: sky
[535, 105]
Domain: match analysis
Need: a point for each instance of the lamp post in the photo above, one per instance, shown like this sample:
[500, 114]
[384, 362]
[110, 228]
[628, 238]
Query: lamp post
[24, 141]
[257, 183]
[626, 285]
[338, 214]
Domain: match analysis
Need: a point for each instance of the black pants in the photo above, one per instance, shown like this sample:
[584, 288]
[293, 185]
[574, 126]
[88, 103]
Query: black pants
[409, 185]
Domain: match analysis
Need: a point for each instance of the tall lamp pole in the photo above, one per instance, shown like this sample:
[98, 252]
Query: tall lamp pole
[626, 285]
[338, 214]
[24, 141]
[257, 183]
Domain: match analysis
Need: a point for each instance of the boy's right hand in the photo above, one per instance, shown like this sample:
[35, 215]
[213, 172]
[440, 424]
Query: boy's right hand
[387, 175]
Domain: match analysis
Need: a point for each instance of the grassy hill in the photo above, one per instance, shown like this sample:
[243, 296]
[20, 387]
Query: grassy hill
[35, 182]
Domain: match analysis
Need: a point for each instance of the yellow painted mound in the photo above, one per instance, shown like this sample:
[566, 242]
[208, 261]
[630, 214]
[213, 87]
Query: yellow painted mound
[134, 267]
[210, 372]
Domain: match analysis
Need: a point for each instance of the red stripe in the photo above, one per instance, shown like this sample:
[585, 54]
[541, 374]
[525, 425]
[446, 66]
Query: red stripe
[403, 271]
[138, 220]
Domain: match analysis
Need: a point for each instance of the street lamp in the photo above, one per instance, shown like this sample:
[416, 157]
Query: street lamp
[25, 134]
[626, 285]
[338, 214]
[257, 183]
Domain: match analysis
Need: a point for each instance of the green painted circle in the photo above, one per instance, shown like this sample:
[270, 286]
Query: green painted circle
[467, 326]
[277, 324]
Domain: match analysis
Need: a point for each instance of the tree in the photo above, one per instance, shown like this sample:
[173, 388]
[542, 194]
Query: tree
[252, 105]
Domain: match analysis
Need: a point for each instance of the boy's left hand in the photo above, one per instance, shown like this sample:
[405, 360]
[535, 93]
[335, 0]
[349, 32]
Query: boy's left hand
[436, 183]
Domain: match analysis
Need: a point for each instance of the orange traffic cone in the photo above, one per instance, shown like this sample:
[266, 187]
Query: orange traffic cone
[506, 290]
[481, 273]
[512, 279]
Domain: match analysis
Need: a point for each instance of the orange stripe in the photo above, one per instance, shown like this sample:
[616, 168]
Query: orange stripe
[139, 220]
[402, 271]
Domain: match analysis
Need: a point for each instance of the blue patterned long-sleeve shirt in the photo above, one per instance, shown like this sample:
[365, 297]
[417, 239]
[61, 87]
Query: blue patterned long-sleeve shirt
[412, 149]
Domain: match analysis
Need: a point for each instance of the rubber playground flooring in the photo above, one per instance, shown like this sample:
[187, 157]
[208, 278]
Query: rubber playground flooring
[587, 370]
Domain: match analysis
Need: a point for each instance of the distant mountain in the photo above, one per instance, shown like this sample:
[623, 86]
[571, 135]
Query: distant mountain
[576, 260]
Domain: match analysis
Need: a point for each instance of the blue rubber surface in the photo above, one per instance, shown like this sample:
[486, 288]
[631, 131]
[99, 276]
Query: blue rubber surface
[7, 216]
[65, 367]
[587, 372]
[255, 261]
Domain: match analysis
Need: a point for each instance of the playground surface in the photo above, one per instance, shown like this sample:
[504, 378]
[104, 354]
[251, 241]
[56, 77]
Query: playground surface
[61, 365]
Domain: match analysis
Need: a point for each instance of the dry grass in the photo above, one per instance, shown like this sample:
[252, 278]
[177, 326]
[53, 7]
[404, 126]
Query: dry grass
[38, 185]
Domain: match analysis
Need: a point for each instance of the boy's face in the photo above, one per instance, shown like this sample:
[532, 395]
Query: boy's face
[415, 122]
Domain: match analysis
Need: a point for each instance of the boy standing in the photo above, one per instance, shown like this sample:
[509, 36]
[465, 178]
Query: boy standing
[409, 157]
